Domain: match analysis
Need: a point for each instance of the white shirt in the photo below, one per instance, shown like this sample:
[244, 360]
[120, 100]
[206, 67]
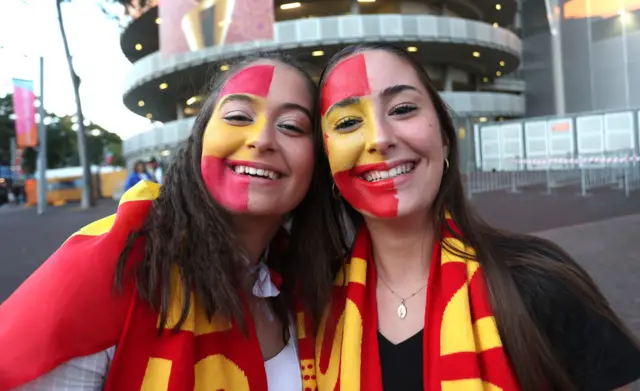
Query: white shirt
[89, 373]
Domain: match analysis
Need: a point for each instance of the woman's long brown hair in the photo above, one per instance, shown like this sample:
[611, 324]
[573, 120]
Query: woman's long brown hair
[536, 363]
[187, 229]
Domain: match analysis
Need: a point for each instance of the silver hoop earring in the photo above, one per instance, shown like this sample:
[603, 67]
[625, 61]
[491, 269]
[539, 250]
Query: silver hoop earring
[446, 165]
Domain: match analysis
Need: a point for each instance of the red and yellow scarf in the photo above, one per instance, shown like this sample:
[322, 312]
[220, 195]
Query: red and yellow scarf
[462, 350]
[68, 309]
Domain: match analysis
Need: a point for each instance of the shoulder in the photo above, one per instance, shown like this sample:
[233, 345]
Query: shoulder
[69, 304]
[585, 333]
[87, 373]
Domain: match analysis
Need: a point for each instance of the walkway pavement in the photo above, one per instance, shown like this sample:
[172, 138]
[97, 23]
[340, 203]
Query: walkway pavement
[601, 231]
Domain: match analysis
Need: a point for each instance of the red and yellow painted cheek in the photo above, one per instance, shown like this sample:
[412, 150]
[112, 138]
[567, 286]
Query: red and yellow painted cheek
[223, 142]
[350, 152]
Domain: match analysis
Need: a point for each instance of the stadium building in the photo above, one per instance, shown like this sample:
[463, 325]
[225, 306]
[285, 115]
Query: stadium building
[470, 48]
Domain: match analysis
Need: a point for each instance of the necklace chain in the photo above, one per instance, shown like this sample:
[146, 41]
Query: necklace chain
[402, 299]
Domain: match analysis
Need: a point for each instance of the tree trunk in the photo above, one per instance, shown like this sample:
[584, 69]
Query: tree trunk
[87, 199]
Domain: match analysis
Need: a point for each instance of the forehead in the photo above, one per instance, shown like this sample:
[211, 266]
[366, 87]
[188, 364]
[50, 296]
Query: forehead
[273, 81]
[366, 73]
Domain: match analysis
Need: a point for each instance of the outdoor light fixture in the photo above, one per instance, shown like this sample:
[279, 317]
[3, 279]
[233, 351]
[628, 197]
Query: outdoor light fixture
[138, 46]
[485, 79]
[140, 103]
[496, 24]
[476, 54]
[498, 73]
[498, 7]
[158, 20]
[224, 67]
[163, 86]
[501, 63]
[149, 115]
[289, 6]
[192, 100]
[412, 49]
[482, 119]
[317, 53]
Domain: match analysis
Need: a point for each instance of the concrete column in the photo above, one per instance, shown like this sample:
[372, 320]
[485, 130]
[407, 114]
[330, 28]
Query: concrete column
[179, 111]
[354, 7]
[555, 26]
[448, 79]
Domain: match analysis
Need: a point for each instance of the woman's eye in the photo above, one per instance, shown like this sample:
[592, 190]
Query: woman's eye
[291, 128]
[347, 123]
[403, 109]
[238, 119]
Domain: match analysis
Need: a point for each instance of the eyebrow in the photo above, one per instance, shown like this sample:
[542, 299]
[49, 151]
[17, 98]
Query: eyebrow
[295, 106]
[344, 103]
[394, 90]
[285, 106]
[237, 97]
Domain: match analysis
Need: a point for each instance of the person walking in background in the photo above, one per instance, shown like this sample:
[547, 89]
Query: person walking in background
[139, 174]
[155, 170]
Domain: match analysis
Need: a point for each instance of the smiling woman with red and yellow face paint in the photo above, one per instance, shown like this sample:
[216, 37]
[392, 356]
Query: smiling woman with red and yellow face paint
[223, 269]
[257, 152]
[432, 297]
[382, 136]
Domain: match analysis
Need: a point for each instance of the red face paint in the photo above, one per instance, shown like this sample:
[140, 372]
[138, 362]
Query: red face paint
[255, 80]
[376, 198]
[348, 79]
[227, 188]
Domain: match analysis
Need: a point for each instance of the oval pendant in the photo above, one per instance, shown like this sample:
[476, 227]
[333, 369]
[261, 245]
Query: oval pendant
[402, 311]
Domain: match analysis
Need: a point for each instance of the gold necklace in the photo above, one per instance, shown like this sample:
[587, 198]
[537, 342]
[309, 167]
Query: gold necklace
[402, 308]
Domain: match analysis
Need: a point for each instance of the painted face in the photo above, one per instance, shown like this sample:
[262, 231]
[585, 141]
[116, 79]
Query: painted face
[257, 154]
[382, 135]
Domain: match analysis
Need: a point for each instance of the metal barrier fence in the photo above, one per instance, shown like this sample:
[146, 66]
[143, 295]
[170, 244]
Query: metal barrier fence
[620, 174]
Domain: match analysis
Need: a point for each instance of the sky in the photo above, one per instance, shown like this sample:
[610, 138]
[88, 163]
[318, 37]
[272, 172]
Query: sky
[31, 27]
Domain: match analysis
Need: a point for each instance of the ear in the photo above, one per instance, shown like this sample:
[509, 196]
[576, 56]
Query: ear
[445, 150]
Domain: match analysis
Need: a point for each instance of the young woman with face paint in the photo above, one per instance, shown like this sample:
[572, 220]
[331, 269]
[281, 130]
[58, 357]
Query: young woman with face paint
[213, 293]
[432, 297]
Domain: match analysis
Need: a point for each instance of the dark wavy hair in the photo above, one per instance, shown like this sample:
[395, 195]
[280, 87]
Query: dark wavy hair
[502, 255]
[187, 229]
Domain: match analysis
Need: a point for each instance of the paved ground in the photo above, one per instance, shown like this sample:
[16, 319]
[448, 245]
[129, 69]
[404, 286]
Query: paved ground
[602, 231]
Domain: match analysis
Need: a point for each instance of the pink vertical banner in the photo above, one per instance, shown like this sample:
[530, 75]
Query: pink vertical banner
[24, 110]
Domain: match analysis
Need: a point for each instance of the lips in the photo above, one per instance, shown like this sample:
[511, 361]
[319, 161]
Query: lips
[373, 173]
[254, 169]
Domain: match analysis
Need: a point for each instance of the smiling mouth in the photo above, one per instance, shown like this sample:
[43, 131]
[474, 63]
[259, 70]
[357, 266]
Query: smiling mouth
[256, 172]
[381, 175]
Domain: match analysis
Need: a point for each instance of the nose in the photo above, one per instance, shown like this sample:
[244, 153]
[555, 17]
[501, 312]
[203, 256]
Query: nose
[263, 140]
[382, 138]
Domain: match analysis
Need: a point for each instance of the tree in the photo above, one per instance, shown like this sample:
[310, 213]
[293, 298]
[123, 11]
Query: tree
[87, 201]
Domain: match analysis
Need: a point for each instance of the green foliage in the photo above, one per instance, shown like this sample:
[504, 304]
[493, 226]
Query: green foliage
[62, 141]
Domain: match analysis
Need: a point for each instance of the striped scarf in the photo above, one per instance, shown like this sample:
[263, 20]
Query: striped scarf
[462, 350]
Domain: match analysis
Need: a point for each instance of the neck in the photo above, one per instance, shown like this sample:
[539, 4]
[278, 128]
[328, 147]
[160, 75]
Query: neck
[402, 248]
[254, 234]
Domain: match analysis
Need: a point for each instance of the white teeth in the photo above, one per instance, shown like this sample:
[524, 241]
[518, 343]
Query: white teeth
[375, 176]
[257, 172]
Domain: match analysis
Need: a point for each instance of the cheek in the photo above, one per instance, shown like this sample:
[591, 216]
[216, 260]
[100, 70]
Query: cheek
[344, 150]
[299, 153]
[422, 137]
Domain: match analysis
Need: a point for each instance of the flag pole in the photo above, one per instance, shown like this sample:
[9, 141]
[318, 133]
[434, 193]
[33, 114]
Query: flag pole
[42, 151]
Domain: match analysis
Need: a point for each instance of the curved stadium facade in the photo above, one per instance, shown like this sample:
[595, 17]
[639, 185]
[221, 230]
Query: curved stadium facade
[470, 48]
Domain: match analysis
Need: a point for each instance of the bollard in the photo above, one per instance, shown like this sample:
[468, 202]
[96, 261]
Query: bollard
[548, 180]
[626, 182]
[514, 184]
[583, 182]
